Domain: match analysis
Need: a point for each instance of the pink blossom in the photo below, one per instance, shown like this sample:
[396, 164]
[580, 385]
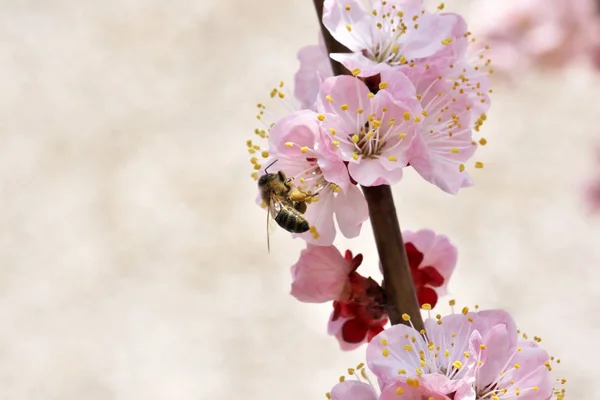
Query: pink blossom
[296, 148]
[314, 67]
[465, 356]
[385, 35]
[432, 259]
[370, 132]
[538, 33]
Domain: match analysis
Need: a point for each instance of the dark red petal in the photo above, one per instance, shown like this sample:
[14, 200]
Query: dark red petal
[354, 331]
[348, 256]
[427, 295]
[415, 257]
[433, 277]
[374, 331]
[356, 261]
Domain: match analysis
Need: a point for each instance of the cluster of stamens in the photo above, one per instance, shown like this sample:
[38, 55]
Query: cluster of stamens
[443, 358]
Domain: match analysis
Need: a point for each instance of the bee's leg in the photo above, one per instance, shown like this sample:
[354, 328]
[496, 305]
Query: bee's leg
[300, 206]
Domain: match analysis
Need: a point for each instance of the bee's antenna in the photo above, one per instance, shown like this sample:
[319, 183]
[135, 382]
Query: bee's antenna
[269, 166]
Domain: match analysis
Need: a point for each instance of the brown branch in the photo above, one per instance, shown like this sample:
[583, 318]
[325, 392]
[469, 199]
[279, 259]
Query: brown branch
[400, 292]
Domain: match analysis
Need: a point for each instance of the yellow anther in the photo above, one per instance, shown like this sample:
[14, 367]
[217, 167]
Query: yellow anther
[289, 144]
[254, 160]
[257, 166]
[402, 59]
[401, 372]
[461, 167]
[385, 352]
[329, 98]
[351, 371]
[482, 141]
[447, 353]
[342, 378]
[482, 346]
[418, 118]
[478, 164]
[377, 123]
[393, 158]
[304, 149]
[536, 388]
[355, 138]
[371, 95]
[355, 72]
[465, 310]
[328, 395]
[384, 341]
[335, 143]
[348, 8]
[332, 130]
[383, 85]
[321, 117]
[360, 111]
[457, 364]
[426, 306]
[407, 115]
[441, 6]
[254, 175]
[419, 371]
[355, 156]
[408, 347]
[517, 366]
[454, 150]
[314, 233]
[359, 366]
[447, 41]
[265, 154]
[413, 382]
[405, 317]
[399, 391]
[466, 354]
[348, 27]
[395, 49]
[344, 107]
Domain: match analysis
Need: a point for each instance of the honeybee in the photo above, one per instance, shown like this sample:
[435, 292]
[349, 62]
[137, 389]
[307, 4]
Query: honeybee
[284, 204]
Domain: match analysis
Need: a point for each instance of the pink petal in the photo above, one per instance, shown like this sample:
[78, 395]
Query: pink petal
[386, 368]
[299, 127]
[336, 18]
[320, 215]
[351, 211]
[427, 40]
[314, 67]
[353, 390]
[319, 275]
[532, 372]
[497, 352]
[371, 172]
[366, 66]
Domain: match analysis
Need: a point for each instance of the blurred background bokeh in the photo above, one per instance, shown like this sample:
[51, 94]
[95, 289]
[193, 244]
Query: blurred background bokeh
[133, 260]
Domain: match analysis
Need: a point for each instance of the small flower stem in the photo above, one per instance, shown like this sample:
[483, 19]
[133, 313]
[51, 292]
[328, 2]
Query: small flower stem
[401, 296]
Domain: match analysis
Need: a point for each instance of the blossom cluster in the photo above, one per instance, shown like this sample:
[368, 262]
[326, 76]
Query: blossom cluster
[463, 356]
[547, 34]
[415, 96]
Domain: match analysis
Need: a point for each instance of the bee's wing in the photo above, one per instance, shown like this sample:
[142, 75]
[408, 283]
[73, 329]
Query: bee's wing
[273, 209]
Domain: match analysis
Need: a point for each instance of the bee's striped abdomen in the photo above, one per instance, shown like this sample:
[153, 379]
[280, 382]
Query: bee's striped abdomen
[292, 220]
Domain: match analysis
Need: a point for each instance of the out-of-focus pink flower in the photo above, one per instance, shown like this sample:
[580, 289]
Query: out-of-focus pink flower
[314, 67]
[432, 260]
[358, 390]
[471, 355]
[388, 34]
[295, 147]
[538, 33]
[592, 192]
[370, 132]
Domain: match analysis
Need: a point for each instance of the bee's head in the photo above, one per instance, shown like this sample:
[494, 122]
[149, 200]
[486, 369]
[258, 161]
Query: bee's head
[266, 179]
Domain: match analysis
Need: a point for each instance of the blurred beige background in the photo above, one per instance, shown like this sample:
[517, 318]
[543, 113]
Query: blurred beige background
[133, 261]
